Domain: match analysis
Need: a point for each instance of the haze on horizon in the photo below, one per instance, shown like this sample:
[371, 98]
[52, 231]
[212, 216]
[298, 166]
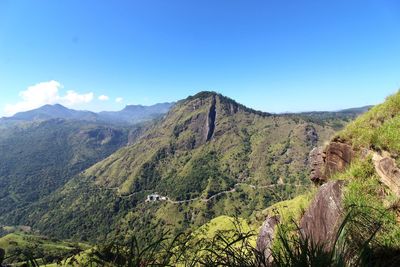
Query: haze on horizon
[274, 56]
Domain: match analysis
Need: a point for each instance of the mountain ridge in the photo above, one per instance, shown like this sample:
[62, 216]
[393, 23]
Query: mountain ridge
[206, 147]
[131, 114]
[49, 111]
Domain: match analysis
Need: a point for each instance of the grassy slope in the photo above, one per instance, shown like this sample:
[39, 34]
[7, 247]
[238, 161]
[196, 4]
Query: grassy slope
[377, 129]
[17, 243]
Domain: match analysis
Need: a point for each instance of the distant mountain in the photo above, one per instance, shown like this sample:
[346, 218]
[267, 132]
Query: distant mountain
[56, 111]
[330, 117]
[349, 111]
[135, 113]
[208, 156]
[129, 115]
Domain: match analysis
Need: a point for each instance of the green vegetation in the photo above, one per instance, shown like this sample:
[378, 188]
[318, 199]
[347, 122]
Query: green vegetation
[289, 210]
[364, 191]
[349, 248]
[370, 232]
[251, 161]
[38, 158]
[212, 166]
[378, 128]
[25, 247]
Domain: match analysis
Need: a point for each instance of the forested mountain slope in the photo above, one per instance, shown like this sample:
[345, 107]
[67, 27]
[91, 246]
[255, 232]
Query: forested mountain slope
[38, 158]
[209, 156]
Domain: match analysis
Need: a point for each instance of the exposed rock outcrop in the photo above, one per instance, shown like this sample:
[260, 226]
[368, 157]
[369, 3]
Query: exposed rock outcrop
[321, 221]
[317, 165]
[266, 236]
[388, 172]
[338, 157]
[201, 125]
[212, 113]
[326, 162]
[311, 135]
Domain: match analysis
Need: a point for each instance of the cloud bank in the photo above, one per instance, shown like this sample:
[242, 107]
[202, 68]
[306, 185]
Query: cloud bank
[44, 93]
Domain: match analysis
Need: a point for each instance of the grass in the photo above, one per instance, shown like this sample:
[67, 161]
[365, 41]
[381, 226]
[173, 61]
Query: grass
[288, 210]
[21, 247]
[364, 190]
[219, 224]
[378, 128]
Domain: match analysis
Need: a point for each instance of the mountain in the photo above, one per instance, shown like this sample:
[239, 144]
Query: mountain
[131, 114]
[52, 112]
[38, 158]
[322, 117]
[208, 156]
[136, 113]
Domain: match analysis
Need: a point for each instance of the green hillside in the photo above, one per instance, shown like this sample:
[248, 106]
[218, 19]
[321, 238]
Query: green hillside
[369, 230]
[209, 156]
[21, 247]
[38, 158]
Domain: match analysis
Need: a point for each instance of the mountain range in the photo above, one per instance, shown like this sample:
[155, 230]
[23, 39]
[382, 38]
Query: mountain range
[207, 156]
[131, 114]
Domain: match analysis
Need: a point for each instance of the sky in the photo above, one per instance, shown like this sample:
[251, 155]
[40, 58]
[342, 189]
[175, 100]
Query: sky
[271, 55]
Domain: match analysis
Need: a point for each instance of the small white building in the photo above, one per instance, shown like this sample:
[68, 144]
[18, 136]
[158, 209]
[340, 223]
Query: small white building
[155, 197]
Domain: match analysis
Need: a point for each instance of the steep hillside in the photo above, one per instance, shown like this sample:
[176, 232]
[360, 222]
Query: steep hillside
[209, 156]
[354, 213]
[38, 158]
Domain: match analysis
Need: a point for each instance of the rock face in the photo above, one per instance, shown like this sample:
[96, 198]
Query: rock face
[311, 135]
[326, 162]
[388, 172]
[338, 157]
[266, 236]
[323, 217]
[317, 165]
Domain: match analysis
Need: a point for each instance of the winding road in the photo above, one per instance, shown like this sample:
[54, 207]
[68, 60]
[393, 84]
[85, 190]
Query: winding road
[209, 198]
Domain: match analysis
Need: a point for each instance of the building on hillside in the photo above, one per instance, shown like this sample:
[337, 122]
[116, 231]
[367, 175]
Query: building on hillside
[155, 197]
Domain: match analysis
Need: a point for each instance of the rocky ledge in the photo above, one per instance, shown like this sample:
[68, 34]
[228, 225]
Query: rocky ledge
[324, 162]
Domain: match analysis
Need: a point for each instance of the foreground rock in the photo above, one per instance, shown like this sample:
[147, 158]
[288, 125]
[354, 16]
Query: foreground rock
[388, 172]
[266, 236]
[324, 163]
[317, 164]
[338, 157]
[321, 221]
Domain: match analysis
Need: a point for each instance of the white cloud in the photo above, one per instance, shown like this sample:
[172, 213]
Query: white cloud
[73, 98]
[119, 99]
[46, 93]
[103, 98]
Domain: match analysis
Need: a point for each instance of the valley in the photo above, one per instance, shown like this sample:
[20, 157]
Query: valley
[209, 156]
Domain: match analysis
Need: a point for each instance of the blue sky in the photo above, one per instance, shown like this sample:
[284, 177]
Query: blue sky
[272, 55]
